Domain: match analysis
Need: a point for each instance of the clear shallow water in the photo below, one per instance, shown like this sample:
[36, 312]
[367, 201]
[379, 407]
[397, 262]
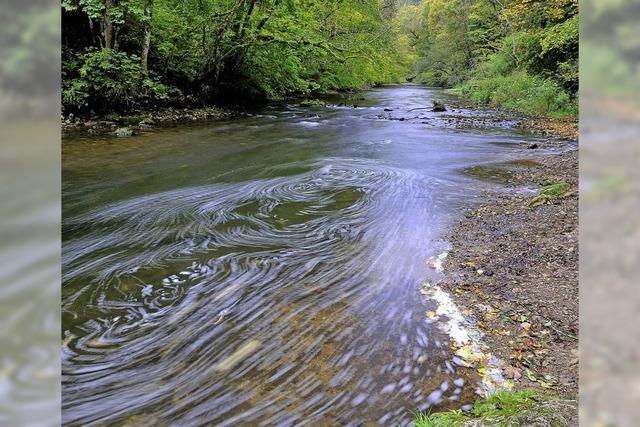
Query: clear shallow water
[265, 271]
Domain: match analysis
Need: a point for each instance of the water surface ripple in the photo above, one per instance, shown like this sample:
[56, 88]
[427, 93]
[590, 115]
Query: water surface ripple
[264, 271]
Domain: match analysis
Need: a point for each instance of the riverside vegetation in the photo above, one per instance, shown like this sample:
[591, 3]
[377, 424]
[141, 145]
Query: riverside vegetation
[523, 408]
[132, 55]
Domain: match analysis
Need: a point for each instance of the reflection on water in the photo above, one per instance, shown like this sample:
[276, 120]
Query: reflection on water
[263, 271]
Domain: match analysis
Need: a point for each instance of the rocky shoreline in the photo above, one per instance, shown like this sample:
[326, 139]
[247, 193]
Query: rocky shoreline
[513, 267]
[131, 124]
[124, 125]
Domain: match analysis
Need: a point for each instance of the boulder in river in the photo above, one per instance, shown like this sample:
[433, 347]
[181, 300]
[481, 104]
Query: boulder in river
[438, 106]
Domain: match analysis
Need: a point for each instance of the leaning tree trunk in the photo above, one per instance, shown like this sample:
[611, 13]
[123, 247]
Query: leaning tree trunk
[146, 43]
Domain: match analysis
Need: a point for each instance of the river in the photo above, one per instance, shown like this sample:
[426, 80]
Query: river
[267, 270]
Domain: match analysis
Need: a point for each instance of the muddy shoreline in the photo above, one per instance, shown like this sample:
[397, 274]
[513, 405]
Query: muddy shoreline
[513, 265]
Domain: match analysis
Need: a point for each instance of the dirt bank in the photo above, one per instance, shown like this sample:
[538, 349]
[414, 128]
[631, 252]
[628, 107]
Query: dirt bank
[567, 129]
[513, 267]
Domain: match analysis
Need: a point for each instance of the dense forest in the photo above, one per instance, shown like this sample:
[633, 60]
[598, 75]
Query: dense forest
[123, 53]
[518, 54]
[120, 55]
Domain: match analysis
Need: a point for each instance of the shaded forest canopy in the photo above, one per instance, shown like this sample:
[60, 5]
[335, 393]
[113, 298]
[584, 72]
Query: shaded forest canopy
[120, 55]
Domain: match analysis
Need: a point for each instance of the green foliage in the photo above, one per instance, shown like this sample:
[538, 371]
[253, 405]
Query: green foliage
[560, 37]
[217, 50]
[107, 80]
[521, 54]
[521, 92]
[502, 408]
[500, 63]
[276, 72]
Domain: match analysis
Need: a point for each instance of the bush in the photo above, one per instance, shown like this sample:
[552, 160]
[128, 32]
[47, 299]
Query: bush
[108, 80]
[522, 93]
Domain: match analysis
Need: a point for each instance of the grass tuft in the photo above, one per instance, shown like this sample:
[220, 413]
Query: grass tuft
[503, 408]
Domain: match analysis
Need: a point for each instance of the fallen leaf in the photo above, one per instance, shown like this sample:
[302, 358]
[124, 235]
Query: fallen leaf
[513, 373]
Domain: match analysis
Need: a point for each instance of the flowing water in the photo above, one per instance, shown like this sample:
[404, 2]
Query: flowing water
[266, 270]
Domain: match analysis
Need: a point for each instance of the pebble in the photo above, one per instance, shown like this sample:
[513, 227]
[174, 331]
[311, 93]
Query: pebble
[359, 399]
[389, 388]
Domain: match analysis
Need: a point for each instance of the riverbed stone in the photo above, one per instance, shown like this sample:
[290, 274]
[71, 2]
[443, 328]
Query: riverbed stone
[123, 132]
[438, 106]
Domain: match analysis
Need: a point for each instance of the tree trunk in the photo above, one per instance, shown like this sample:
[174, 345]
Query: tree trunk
[204, 27]
[108, 25]
[93, 34]
[116, 45]
[146, 43]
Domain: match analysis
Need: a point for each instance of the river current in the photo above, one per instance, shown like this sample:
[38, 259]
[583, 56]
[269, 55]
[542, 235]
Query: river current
[267, 270]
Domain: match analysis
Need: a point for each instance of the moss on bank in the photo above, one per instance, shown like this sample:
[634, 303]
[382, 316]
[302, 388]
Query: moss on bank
[549, 193]
[505, 408]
